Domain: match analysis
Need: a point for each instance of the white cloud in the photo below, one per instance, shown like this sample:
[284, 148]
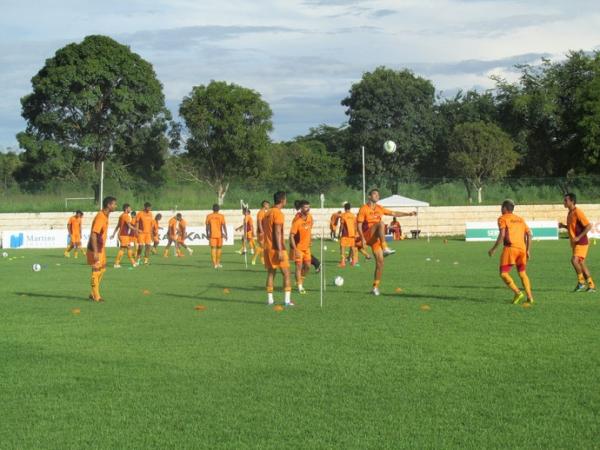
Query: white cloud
[302, 55]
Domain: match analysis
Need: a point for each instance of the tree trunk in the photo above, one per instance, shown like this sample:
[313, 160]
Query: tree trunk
[479, 194]
[221, 192]
[468, 188]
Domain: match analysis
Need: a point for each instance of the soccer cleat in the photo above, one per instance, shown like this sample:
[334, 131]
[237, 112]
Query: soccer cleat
[67, 255]
[117, 266]
[135, 264]
[579, 288]
[356, 265]
[376, 292]
[219, 266]
[253, 262]
[591, 290]
[290, 304]
[530, 301]
[190, 251]
[518, 298]
[301, 290]
[341, 266]
[270, 303]
[388, 251]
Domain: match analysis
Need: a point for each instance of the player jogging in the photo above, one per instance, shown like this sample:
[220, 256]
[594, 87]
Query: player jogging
[181, 236]
[300, 242]
[371, 230]
[347, 236]
[578, 226]
[172, 233]
[515, 235]
[334, 220]
[144, 226]
[96, 248]
[156, 233]
[74, 229]
[248, 232]
[276, 256]
[264, 207]
[127, 234]
[216, 231]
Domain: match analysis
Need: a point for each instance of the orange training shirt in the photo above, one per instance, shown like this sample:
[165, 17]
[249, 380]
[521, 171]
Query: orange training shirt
[516, 229]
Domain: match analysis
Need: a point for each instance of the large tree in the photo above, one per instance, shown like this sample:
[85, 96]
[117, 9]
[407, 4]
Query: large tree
[479, 153]
[304, 167]
[390, 105]
[227, 134]
[95, 100]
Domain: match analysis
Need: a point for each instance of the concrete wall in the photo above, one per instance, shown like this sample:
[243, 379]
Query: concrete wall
[443, 220]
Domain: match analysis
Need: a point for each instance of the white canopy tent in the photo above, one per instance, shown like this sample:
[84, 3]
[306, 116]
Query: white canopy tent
[398, 201]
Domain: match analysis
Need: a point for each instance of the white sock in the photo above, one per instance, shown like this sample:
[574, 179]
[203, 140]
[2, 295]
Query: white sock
[288, 297]
[270, 298]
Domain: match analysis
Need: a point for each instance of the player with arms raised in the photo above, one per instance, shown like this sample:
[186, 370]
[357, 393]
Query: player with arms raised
[371, 230]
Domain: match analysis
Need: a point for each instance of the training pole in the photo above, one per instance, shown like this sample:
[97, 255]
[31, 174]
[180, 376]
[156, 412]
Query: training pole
[244, 240]
[322, 267]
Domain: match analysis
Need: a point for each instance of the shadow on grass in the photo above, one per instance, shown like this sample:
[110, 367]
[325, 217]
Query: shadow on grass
[51, 296]
[201, 297]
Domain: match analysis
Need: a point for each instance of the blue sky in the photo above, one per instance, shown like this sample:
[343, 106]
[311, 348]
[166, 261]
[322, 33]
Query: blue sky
[301, 55]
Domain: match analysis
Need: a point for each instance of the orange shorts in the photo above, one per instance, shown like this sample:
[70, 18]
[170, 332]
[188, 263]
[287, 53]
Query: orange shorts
[511, 257]
[101, 264]
[273, 262]
[347, 242]
[76, 240]
[216, 242]
[250, 235]
[144, 239]
[373, 240]
[126, 241]
[173, 237]
[580, 251]
[302, 256]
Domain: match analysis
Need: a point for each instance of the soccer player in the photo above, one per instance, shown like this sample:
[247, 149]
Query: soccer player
[264, 207]
[578, 226]
[156, 232]
[300, 242]
[248, 228]
[347, 236]
[516, 237]
[371, 230]
[334, 220]
[74, 228]
[96, 248]
[172, 234]
[133, 237]
[144, 237]
[181, 236]
[276, 256]
[396, 229]
[127, 234]
[216, 231]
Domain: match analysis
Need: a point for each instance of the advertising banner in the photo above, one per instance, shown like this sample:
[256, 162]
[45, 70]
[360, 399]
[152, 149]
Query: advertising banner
[488, 231]
[60, 238]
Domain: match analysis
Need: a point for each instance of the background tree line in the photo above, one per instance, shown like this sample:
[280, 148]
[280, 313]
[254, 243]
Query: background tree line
[97, 101]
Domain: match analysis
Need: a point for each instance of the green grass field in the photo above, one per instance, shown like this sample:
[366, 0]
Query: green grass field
[147, 370]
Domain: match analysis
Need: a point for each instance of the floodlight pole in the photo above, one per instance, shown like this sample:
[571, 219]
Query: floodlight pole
[364, 176]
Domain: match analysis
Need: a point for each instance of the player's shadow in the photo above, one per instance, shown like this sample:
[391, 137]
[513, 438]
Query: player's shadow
[178, 265]
[202, 297]
[491, 288]
[52, 296]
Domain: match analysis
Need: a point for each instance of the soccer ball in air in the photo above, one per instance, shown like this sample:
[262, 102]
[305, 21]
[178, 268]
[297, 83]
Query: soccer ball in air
[36, 267]
[389, 147]
[338, 281]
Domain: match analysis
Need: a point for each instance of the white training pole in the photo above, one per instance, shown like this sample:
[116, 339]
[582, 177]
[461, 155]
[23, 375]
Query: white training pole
[364, 178]
[245, 234]
[101, 182]
[321, 274]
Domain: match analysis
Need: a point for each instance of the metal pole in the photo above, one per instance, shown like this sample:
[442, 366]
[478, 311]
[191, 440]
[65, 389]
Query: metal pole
[101, 182]
[364, 176]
